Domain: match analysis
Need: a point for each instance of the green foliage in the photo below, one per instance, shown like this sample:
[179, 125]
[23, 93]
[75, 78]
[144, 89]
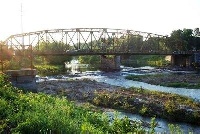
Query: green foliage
[182, 84]
[177, 84]
[39, 113]
[150, 103]
[175, 129]
[197, 43]
[93, 60]
[145, 60]
[134, 77]
[45, 70]
[170, 106]
[54, 47]
[140, 77]
[11, 65]
[181, 40]
[143, 110]
[125, 125]
[134, 43]
[161, 80]
[16, 63]
[40, 60]
[57, 60]
[157, 61]
[153, 124]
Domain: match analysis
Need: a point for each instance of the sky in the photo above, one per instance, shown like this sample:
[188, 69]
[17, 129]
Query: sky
[154, 16]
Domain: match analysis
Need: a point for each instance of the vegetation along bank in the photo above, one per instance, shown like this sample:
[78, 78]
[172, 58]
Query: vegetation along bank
[40, 113]
[178, 80]
[135, 100]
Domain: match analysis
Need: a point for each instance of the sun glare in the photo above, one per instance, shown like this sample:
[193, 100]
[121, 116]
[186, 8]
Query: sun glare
[153, 16]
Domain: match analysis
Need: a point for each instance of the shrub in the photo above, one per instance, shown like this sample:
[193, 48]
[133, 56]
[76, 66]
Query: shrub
[39, 113]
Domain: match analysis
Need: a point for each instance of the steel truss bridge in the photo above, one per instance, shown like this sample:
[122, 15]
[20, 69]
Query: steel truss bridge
[83, 41]
[87, 41]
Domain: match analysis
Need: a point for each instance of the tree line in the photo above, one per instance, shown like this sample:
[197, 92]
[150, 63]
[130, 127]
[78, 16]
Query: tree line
[179, 40]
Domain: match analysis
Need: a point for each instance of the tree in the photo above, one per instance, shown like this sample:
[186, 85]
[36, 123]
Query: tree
[175, 40]
[197, 43]
[135, 42]
[55, 47]
[196, 38]
[188, 38]
[6, 52]
[90, 59]
[181, 40]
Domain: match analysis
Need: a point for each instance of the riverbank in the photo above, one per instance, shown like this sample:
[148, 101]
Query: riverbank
[178, 80]
[134, 100]
[34, 113]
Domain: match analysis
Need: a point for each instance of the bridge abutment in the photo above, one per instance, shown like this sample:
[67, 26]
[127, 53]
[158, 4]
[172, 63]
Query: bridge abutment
[181, 60]
[110, 63]
[24, 78]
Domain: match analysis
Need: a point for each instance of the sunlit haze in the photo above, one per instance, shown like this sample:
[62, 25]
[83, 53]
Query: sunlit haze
[155, 16]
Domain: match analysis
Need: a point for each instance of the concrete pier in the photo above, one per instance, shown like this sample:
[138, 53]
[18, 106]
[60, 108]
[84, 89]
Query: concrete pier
[181, 60]
[24, 78]
[110, 64]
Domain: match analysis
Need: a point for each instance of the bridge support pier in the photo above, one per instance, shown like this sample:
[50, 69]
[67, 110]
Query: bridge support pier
[181, 61]
[24, 78]
[110, 63]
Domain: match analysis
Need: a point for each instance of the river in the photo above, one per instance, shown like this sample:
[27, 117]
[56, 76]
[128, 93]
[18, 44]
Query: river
[118, 79]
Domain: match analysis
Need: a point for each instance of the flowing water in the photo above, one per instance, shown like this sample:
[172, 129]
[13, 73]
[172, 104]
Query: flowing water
[118, 79]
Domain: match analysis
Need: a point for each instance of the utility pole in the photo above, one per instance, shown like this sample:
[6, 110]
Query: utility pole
[21, 19]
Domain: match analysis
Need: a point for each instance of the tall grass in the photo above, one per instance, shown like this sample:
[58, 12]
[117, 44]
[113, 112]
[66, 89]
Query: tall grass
[161, 80]
[39, 113]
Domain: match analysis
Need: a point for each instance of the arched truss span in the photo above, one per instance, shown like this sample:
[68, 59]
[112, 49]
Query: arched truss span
[87, 41]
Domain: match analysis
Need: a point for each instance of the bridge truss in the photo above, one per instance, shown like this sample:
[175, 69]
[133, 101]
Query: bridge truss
[80, 41]
[83, 41]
